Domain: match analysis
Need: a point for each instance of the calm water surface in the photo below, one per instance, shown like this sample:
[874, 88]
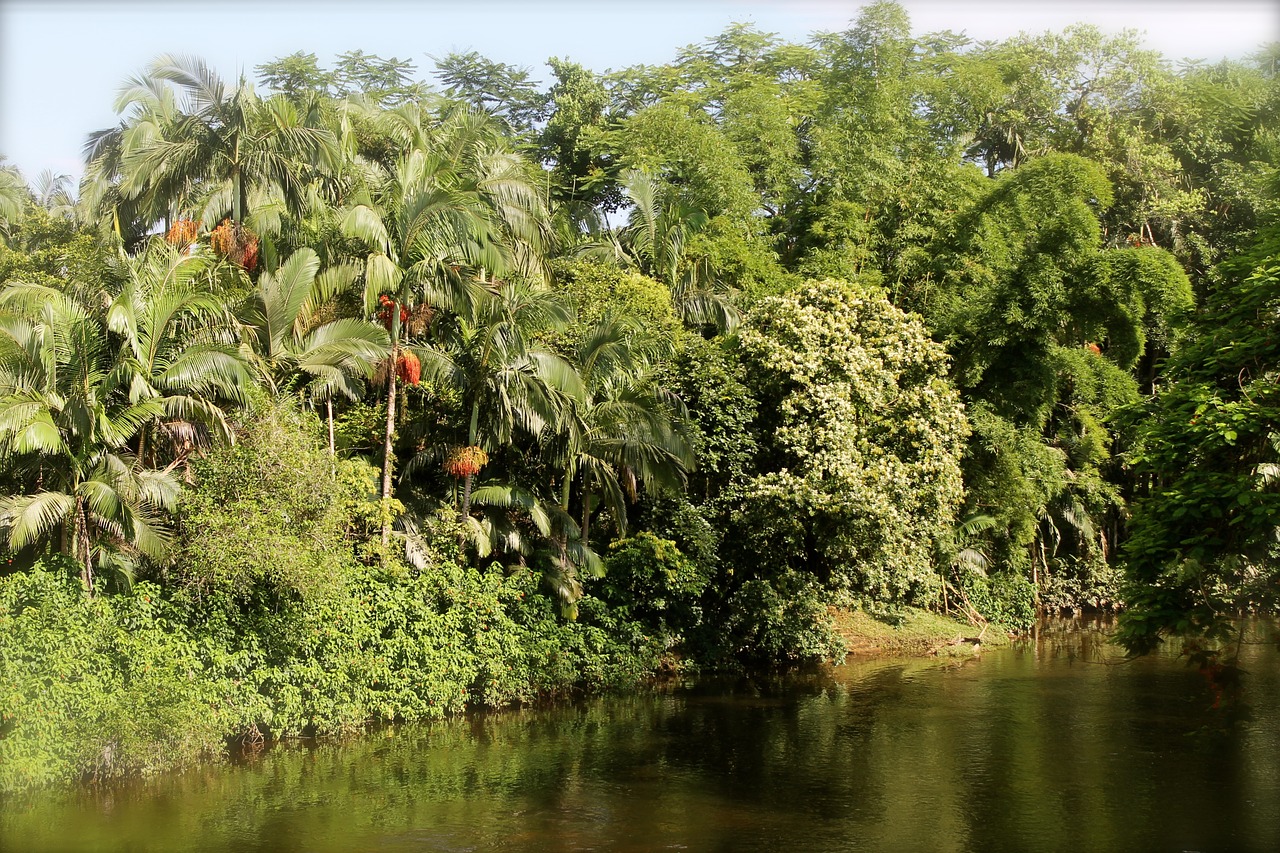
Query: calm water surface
[1052, 745]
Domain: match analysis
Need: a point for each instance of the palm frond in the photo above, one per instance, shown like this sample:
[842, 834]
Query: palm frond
[30, 518]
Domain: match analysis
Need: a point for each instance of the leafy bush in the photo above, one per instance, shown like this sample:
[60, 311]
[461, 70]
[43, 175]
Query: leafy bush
[101, 686]
[649, 579]
[861, 474]
[1006, 598]
[407, 646]
[267, 517]
[1077, 582]
[114, 685]
[597, 289]
[784, 619]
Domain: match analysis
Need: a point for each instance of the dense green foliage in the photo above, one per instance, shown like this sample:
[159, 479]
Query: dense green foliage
[1204, 535]
[387, 400]
[858, 473]
[269, 625]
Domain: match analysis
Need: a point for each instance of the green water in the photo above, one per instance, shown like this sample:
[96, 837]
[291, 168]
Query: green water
[1052, 745]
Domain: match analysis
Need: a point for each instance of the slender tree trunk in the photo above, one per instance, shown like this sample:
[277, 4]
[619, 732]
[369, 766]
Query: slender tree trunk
[565, 484]
[328, 405]
[388, 457]
[473, 433]
[466, 496]
[82, 546]
[333, 467]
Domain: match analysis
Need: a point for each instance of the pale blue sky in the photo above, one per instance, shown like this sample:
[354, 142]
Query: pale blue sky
[62, 63]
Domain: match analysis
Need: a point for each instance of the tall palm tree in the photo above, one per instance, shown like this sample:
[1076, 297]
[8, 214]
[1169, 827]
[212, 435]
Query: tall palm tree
[14, 197]
[67, 418]
[179, 345]
[151, 105]
[616, 431]
[508, 380]
[53, 193]
[226, 146]
[290, 340]
[626, 431]
[453, 212]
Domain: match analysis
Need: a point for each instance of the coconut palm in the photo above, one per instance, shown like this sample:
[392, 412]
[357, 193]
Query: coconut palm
[67, 417]
[52, 191]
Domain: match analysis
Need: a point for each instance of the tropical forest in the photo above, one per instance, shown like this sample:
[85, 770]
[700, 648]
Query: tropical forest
[333, 399]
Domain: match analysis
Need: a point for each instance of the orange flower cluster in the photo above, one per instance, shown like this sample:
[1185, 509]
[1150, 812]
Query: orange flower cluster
[465, 461]
[183, 232]
[408, 368]
[387, 306]
[236, 243]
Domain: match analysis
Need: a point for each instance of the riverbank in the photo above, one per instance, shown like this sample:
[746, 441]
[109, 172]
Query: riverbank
[139, 683]
[918, 633]
[994, 754]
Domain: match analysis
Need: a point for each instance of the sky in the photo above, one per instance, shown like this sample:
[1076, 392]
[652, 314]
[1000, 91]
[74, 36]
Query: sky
[63, 62]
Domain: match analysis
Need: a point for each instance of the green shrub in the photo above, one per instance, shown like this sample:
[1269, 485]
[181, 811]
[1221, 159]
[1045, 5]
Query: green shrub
[99, 687]
[115, 685]
[1078, 582]
[1006, 598]
[781, 620]
[267, 517]
[860, 473]
[649, 579]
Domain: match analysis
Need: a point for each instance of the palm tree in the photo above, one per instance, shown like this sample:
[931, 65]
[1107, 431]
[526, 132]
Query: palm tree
[152, 106]
[290, 341]
[53, 193]
[228, 147]
[179, 345]
[626, 431]
[67, 417]
[508, 380]
[655, 237]
[14, 197]
[454, 211]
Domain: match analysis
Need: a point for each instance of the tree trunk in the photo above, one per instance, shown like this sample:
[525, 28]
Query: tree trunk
[333, 468]
[388, 457]
[473, 434]
[82, 546]
[238, 201]
[586, 508]
[328, 405]
[466, 497]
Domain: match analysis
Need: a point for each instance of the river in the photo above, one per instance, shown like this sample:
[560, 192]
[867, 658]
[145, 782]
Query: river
[1054, 744]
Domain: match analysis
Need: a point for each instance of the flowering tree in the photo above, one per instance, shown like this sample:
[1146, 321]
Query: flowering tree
[861, 476]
